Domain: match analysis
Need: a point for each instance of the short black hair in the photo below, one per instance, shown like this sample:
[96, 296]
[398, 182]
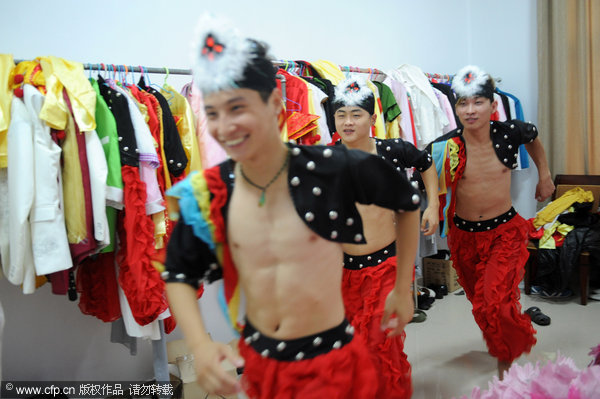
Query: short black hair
[368, 104]
[259, 73]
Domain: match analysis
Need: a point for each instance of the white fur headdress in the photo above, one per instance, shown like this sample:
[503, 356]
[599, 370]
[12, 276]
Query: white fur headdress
[352, 91]
[471, 81]
[220, 54]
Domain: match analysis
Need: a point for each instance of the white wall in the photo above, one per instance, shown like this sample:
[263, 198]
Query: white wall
[46, 337]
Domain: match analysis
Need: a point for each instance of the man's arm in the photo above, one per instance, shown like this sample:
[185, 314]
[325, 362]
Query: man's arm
[400, 301]
[431, 215]
[208, 354]
[545, 186]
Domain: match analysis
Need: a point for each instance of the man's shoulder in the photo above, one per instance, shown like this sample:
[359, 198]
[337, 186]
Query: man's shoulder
[514, 130]
[337, 152]
[445, 137]
[398, 143]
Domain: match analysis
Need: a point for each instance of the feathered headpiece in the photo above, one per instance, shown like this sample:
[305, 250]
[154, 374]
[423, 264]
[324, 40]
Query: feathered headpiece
[223, 59]
[354, 92]
[471, 81]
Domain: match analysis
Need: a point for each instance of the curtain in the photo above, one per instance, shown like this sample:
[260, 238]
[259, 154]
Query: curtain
[569, 84]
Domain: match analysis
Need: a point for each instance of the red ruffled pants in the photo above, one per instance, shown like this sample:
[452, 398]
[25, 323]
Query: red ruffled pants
[490, 265]
[364, 292]
[345, 373]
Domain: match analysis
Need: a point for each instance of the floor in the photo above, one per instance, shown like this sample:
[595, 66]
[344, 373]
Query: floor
[449, 357]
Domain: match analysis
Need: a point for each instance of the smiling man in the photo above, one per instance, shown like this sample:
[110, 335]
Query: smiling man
[370, 270]
[486, 236]
[271, 221]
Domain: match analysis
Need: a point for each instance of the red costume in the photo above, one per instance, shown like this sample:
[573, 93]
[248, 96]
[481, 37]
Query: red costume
[366, 282]
[489, 258]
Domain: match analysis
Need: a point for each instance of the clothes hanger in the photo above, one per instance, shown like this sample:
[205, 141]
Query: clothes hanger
[298, 109]
[164, 88]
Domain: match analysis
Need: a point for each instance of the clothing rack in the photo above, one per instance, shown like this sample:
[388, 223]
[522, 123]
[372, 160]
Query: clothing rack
[120, 68]
[180, 71]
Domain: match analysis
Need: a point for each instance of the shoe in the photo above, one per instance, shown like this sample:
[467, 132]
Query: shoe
[425, 299]
[537, 316]
[437, 289]
[444, 289]
[566, 293]
[536, 289]
[419, 316]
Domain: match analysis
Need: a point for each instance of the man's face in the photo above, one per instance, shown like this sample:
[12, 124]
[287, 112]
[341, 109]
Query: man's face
[240, 120]
[353, 123]
[475, 112]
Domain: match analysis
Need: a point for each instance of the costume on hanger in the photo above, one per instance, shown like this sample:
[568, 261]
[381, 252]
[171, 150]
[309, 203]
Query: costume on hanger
[18, 265]
[429, 117]
[184, 120]
[325, 183]
[49, 236]
[301, 124]
[489, 256]
[177, 160]
[326, 88]
[211, 153]
[6, 67]
[390, 109]
[106, 128]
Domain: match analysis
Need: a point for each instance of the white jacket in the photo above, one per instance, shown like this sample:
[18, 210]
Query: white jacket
[19, 268]
[48, 232]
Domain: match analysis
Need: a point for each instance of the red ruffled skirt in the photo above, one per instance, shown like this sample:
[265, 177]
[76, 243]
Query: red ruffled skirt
[140, 281]
[97, 284]
[490, 266]
[365, 291]
[345, 373]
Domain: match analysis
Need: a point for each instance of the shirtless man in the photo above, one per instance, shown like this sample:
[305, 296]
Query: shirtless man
[370, 270]
[487, 238]
[276, 236]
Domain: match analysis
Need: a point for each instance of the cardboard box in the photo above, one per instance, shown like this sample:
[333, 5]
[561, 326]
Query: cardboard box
[440, 271]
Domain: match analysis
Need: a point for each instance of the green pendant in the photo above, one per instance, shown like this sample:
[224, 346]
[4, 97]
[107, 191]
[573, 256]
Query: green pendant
[262, 199]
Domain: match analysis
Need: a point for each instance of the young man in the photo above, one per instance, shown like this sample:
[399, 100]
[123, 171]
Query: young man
[369, 270]
[275, 236]
[487, 238]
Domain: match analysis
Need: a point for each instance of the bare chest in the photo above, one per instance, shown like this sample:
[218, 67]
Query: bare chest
[483, 166]
[272, 234]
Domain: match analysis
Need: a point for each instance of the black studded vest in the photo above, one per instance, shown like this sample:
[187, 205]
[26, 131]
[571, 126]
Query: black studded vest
[325, 184]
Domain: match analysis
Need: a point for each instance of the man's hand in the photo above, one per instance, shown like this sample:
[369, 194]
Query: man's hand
[400, 305]
[211, 375]
[430, 220]
[544, 189]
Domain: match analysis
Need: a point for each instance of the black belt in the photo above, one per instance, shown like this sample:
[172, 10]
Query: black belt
[356, 262]
[484, 225]
[299, 348]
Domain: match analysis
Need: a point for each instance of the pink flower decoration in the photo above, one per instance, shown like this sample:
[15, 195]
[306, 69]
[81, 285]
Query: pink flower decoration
[560, 379]
[595, 353]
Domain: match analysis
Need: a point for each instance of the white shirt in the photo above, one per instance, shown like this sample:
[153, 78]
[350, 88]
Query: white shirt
[98, 169]
[429, 118]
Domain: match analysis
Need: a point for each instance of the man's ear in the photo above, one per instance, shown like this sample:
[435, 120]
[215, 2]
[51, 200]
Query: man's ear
[276, 98]
[494, 106]
[373, 119]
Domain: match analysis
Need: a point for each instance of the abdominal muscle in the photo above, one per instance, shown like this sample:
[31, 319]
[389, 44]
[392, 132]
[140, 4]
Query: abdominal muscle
[378, 228]
[290, 276]
[483, 192]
